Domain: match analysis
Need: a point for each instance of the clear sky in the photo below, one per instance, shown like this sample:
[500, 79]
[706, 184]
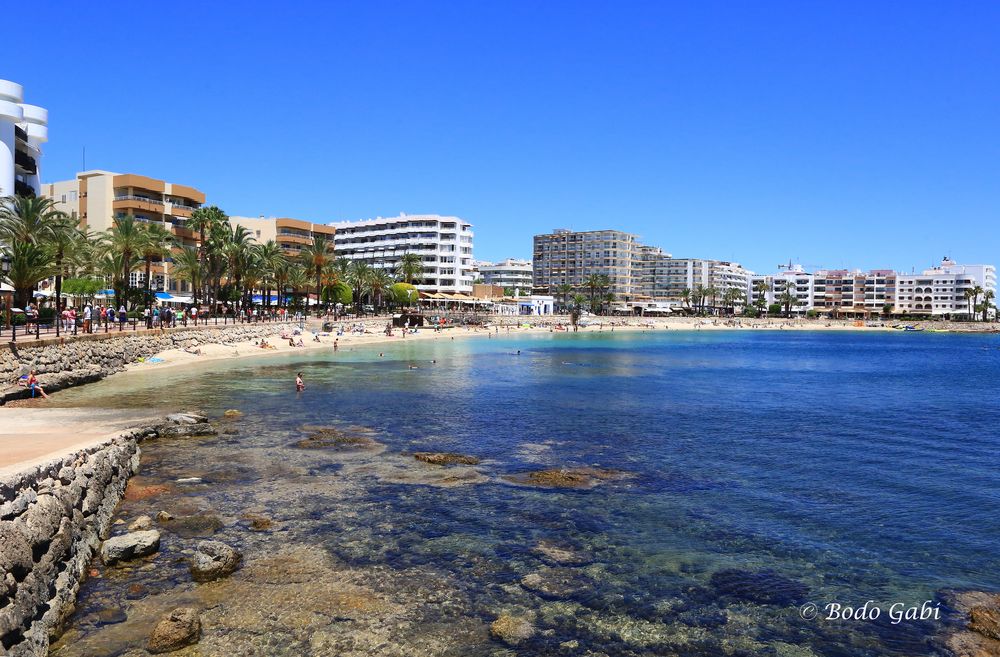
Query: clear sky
[835, 133]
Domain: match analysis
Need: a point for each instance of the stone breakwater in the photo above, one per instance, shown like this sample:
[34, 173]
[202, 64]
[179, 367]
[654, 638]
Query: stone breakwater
[52, 520]
[89, 358]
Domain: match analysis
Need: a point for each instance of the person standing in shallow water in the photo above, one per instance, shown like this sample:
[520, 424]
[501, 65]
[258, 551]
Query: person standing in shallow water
[299, 385]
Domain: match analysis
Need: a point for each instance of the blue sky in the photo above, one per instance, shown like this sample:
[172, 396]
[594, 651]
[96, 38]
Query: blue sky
[859, 134]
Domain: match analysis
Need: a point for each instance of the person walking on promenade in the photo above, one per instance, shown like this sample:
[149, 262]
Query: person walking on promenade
[87, 314]
[122, 316]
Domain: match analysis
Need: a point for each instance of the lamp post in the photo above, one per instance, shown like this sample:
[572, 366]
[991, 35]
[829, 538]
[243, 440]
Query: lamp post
[5, 268]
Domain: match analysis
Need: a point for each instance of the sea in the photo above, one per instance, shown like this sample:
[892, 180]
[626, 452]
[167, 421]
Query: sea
[778, 493]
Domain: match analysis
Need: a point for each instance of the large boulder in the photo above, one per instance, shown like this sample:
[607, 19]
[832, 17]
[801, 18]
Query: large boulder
[213, 560]
[130, 546]
[180, 627]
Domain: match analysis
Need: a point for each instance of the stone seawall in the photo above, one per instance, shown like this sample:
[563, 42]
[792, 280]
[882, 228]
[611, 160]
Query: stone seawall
[84, 359]
[53, 518]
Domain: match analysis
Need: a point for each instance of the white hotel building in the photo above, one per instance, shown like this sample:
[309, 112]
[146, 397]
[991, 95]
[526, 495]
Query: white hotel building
[23, 130]
[941, 290]
[510, 273]
[444, 244]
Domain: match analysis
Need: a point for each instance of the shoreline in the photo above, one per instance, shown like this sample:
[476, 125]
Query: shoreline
[508, 328]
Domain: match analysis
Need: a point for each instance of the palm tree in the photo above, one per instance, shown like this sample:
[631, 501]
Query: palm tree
[988, 296]
[61, 236]
[564, 291]
[381, 285]
[410, 268]
[125, 240]
[296, 278]
[30, 263]
[699, 298]
[270, 258]
[761, 289]
[972, 296]
[686, 297]
[360, 278]
[205, 220]
[187, 267]
[788, 298]
[155, 245]
[712, 292]
[27, 218]
[237, 252]
[315, 258]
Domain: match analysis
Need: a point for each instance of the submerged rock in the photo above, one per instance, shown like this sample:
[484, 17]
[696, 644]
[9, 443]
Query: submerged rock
[181, 627]
[556, 583]
[197, 526]
[142, 523]
[163, 516]
[578, 478]
[130, 546]
[258, 522]
[512, 629]
[445, 458]
[232, 414]
[213, 560]
[111, 616]
[560, 554]
[330, 437]
[765, 587]
[979, 614]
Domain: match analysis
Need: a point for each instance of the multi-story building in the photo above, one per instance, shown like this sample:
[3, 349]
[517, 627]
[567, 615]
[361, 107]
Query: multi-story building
[800, 284]
[843, 292]
[23, 130]
[511, 274]
[290, 234]
[942, 290]
[444, 245]
[680, 274]
[97, 198]
[565, 257]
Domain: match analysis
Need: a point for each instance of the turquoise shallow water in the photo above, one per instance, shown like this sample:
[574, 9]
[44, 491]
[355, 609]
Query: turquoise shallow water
[768, 470]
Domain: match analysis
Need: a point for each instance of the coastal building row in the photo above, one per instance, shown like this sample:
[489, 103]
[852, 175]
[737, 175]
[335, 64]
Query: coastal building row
[23, 130]
[937, 291]
[636, 272]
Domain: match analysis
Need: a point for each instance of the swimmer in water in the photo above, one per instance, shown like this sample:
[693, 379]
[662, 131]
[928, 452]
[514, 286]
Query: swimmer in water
[299, 385]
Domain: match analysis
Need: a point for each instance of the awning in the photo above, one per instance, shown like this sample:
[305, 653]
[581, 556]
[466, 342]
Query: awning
[164, 296]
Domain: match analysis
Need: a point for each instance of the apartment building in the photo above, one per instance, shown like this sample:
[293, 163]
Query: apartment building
[679, 274]
[97, 197]
[941, 290]
[23, 130]
[843, 292]
[510, 273]
[565, 257]
[444, 245]
[292, 235]
[800, 283]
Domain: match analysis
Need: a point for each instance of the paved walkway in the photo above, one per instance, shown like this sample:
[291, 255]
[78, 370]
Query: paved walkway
[31, 436]
[130, 329]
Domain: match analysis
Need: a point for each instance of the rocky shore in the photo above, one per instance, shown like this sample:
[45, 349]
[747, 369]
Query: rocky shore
[52, 519]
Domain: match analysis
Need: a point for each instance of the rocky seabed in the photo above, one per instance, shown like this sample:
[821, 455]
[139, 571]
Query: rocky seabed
[91, 358]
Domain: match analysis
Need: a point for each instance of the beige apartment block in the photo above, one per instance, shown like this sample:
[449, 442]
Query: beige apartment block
[97, 197]
[291, 234]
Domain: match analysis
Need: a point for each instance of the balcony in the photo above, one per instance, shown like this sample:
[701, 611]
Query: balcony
[20, 133]
[23, 189]
[26, 162]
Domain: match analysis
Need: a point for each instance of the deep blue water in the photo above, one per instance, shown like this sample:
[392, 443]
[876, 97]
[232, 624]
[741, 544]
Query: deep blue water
[831, 467]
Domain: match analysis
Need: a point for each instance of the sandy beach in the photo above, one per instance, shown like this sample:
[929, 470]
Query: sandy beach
[509, 326]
